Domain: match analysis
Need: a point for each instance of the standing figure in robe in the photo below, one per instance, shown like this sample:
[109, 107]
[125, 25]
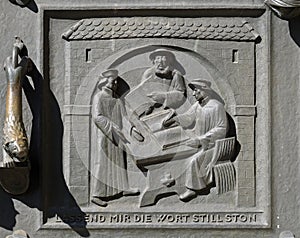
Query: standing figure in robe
[111, 176]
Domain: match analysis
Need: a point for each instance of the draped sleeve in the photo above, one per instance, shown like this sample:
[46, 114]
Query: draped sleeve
[102, 114]
[176, 94]
[215, 121]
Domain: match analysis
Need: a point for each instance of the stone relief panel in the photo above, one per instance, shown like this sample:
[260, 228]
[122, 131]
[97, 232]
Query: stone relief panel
[158, 134]
[159, 122]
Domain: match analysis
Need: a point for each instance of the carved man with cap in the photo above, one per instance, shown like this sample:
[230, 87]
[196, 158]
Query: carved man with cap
[164, 84]
[208, 120]
[110, 167]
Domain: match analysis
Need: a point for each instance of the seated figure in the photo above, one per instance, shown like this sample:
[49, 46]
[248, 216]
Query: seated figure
[161, 91]
[161, 87]
[208, 122]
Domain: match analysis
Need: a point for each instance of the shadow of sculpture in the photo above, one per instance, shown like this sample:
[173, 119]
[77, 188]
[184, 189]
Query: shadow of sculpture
[294, 25]
[232, 133]
[7, 211]
[48, 191]
[288, 10]
[59, 198]
[30, 4]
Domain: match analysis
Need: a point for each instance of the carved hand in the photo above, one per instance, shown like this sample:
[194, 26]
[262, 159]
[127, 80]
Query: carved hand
[198, 142]
[137, 135]
[195, 143]
[170, 122]
[157, 97]
[16, 73]
[149, 110]
[120, 135]
[204, 141]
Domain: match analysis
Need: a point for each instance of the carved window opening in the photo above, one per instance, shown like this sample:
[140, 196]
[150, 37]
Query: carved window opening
[88, 54]
[235, 56]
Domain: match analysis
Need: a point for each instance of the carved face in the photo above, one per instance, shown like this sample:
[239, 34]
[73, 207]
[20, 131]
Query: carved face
[161, 64]
[18, 148]
[111, 83]
[199, 94]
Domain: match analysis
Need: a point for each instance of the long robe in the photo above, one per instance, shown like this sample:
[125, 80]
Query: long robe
[208, 121]
[110, 166]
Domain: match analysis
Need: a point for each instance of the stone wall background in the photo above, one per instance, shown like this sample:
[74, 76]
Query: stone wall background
[23, 212]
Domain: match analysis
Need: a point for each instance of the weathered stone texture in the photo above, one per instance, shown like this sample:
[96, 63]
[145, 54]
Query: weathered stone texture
[24, 212]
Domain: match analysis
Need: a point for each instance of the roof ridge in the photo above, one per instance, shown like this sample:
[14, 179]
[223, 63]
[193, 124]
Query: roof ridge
[147, 27]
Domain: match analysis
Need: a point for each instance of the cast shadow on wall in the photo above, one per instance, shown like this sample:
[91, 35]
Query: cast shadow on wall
[48, 188]
[30, 4]
[294, 26]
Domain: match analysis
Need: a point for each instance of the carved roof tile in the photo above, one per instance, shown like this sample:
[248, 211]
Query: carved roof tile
[148, 27]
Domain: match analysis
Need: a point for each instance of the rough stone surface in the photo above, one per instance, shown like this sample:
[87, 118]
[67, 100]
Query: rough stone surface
[278, 64]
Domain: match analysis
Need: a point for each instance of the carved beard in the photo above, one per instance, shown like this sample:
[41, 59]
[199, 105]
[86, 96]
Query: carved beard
[163, 73]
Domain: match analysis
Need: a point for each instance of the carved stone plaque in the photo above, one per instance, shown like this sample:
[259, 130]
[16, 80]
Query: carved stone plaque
[159, 120]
